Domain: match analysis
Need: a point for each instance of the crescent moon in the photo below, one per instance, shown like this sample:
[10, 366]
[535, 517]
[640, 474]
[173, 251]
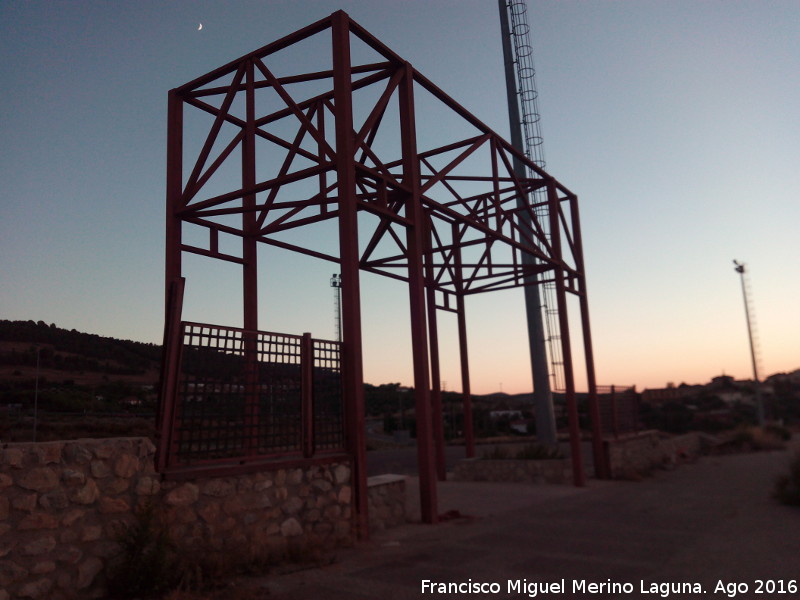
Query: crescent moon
[199, 27]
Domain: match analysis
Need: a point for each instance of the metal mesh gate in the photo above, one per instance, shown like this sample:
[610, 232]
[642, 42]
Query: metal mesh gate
[328, 414]
[246, 395]
[619, 409]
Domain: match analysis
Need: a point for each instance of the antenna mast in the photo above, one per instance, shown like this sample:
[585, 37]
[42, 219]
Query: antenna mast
[526, 136]
[754, 353]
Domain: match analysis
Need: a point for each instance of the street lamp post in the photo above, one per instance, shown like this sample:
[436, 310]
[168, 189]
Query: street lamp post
[740, 268]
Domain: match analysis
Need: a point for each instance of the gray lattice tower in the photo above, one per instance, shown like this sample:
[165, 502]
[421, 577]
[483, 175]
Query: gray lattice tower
[523, 112]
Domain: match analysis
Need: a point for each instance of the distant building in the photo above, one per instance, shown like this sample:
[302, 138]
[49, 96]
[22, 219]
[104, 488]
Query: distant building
[731, 391]
[731, 397]
[505, 414]
[669, 393]
[722, 381]
[521, 425]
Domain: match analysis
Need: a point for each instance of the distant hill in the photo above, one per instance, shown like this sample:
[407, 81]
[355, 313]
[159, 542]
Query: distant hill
[85, 385]
[76, 371]
[73, 350]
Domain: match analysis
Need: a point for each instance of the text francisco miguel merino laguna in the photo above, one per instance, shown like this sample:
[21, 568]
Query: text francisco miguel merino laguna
[578, 586]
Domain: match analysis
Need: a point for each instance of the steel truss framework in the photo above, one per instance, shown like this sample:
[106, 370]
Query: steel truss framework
[366, 134]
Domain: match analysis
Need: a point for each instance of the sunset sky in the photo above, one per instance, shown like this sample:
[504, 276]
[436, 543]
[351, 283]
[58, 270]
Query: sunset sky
[676, 123]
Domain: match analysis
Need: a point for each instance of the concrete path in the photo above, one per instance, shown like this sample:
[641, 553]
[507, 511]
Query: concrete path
[700, 524]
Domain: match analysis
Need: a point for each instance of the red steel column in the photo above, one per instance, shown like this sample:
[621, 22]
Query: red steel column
[250, 266]
[416, 289]
[601, 466]
[352, 359]
[436, 379]
[174, 284]
[307, 393]
[174, 191]
[566, 349]
[249, 224]
[436, 387]
[170, 373]
[469, 434]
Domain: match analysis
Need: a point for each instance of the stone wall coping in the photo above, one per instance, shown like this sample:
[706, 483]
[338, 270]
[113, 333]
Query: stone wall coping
[481, 459]
[227, 468]
[81, 441]
[385, 479]
[636, 435]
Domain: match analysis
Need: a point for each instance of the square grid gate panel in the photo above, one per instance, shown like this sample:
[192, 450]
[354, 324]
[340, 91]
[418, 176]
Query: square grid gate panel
[328, 414]
[242, 395]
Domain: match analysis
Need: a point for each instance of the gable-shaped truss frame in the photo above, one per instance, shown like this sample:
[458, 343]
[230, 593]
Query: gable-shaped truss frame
[448, 216]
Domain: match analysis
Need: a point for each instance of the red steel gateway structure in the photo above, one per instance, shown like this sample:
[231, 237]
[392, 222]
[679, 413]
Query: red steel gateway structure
[329, 131]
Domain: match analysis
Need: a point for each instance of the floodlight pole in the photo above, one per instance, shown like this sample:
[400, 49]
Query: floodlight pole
[740, 268]
[336, 283]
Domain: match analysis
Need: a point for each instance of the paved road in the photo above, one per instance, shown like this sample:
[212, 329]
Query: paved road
[705, 523]
[403, 461]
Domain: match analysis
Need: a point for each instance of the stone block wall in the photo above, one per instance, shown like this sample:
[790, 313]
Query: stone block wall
[387, 501]
[514, 470]
[62, 505]
[638, 454]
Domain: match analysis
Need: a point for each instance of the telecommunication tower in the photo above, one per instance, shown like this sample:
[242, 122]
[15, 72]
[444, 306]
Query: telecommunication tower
[526, 136]
[754, 353]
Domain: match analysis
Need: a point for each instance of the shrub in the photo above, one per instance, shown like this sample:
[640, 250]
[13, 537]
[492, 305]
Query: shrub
[743, 435]
[145, 565]
[747, 438]
[787, 487]
[151, 564]
[527, 452]
[779, 431]
[769, 438]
